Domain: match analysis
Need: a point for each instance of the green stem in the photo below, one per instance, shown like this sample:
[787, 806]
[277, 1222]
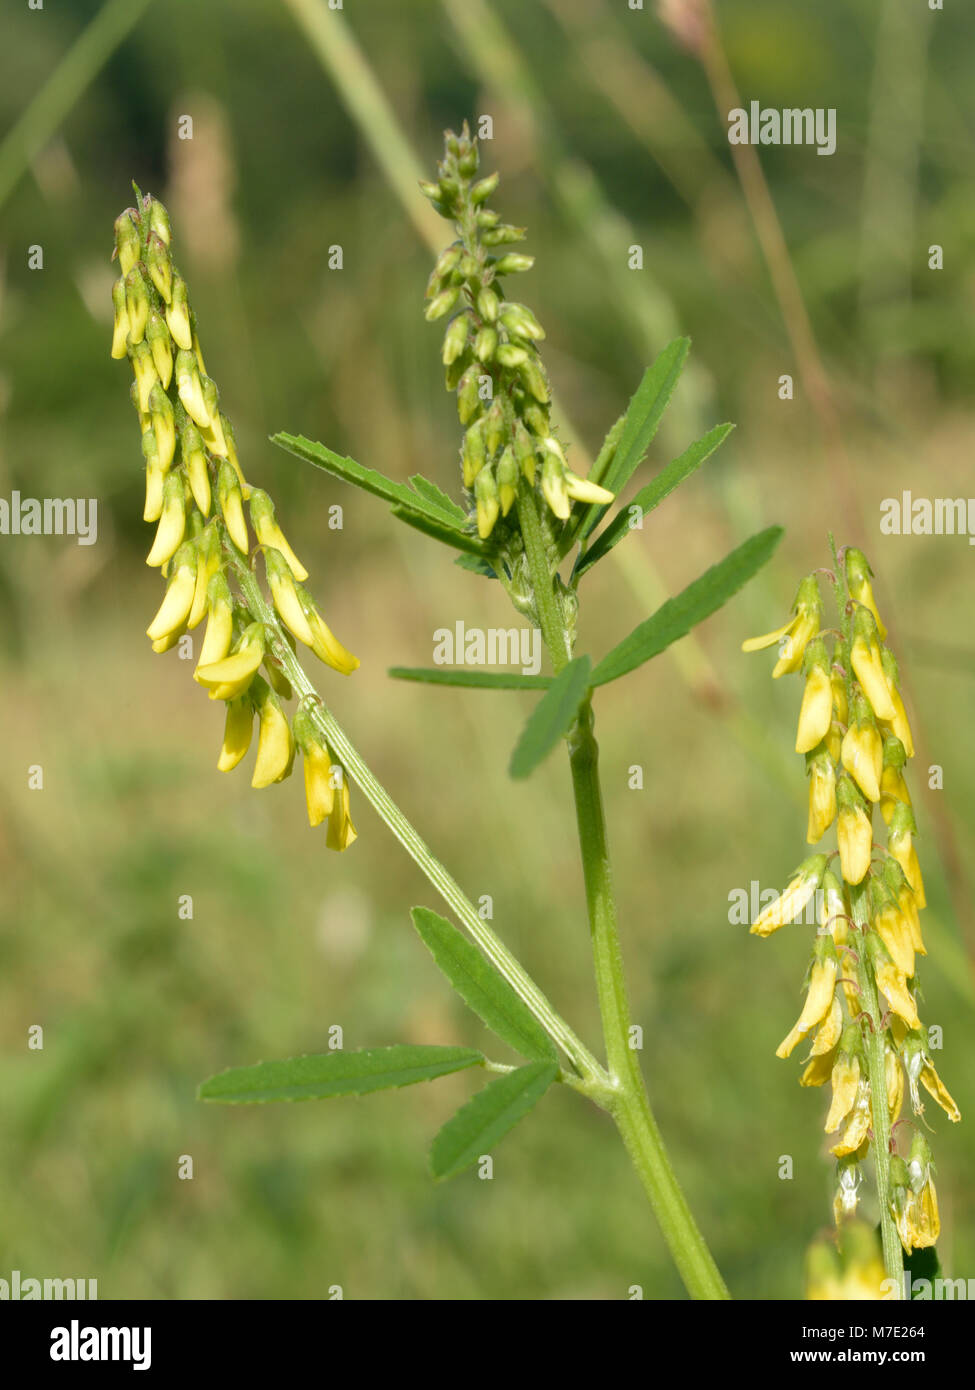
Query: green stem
[593, 1076]
[627, 1102]
[875, 1046]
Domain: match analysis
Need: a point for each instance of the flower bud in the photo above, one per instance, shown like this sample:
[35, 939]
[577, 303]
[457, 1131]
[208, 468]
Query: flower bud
[867, 665]
[136, 304]
[553, 487]
[178, 315]
[155, 477]
[494, 428]
[816, 711]
[485, 343]
[503, 235]
[474, 452]
[231, 506]
[441, 304]
[220, 622]
[520, 322]
[195, 463]
[513, 263]
[160, 266]
[341, 832]
[511, 356]
[791, 903]
[159, 221]
[486, 497]
[163, 425]
[146, 376]
[488, 304]
[483, 189]
[862, 752]
[822, 795]
[161, 347]
[900, 843]
[128, 243]
[120, 331]
[508, 475]
[325, 644]
[285, 595]
[582, 490]
[858, 574]
[455, 339]
[532, 375]
[468, 400]
[190, 388]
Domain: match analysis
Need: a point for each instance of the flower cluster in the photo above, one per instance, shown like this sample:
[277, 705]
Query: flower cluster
[196, 495]
[490, 353]
[862, 983]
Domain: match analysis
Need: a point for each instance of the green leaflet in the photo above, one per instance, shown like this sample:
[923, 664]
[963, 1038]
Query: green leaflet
[424, 501]
[653, 494]
[552, 717]
[337, 1074]
[640, 423]
[474, 680]
[481, 987]
[477, 1127]
[676, 617]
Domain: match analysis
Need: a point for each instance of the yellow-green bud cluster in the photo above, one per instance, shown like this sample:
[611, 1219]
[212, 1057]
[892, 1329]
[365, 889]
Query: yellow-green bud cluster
[490, 352]
[196, 494]
[855, 735]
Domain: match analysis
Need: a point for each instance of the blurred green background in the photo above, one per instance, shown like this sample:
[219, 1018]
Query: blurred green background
[607, 135]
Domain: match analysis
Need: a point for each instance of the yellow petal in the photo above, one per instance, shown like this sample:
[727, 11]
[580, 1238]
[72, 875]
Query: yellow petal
[169, 532]
[819, 998]
[238, 730]
[287, 603]
[894, 931]
[935, 1087]
[854, 837]
[319, 792]
[865, 659]
[328, 648]
[863, 757]
[274, 746]
[341, 831]
[846, 1080]
[816, 711]
[893, 986]
[175, 607]
[769, 639]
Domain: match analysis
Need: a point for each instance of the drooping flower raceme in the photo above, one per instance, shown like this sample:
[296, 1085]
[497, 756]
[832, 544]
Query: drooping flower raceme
[196, 495]
[854, 733]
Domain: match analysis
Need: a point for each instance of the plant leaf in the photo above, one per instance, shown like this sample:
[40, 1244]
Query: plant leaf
[441, 531]
[477, 1126]
[337, 1074]
[476, 564]
[653, 494]
[437, 497]
[474, 680]
[676, 617]
[481, 987]
[398, 494]
[642, 418]
[551, 717]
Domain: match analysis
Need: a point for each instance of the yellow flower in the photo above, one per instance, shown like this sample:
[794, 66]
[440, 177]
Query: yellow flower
[893, 789]
[190, 389]
[120, 331]
[195, 463]
[867, 665]
[163, 425]
[178, 600]
[858, 574]
[275, 748]
[935, 1087]
[822, 797]
[892, 984]
[269, 533]
[233, 674]
[894, 1081]
[898, 721]
[794, 636]
[845, 1077]
[790, 903]
[319, 792]
[341, 831]
[220, 624]
[858, 1123]
[900, 843]
[830, 1031]
[582, 490]
[894, 930]
[327, 646]
[172, 522]
[816, 711]
[231, 506]
[285, 595]
[855, 839]
[819, 999]
[862, 754]
[238, 729]
[488, 502]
